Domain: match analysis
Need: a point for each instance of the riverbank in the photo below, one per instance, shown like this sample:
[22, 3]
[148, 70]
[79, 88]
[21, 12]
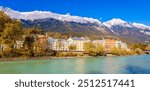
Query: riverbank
[52, 57]
[37, 58]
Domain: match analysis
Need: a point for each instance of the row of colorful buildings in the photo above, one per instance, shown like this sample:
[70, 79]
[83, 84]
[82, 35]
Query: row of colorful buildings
[63, 44]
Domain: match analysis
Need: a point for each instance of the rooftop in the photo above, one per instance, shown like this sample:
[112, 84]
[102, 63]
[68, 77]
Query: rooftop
[79, 38]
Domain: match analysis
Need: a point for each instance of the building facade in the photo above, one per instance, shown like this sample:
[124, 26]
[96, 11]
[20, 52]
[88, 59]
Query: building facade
[63, 45]
[111, 43]
[99, 42]
[78, 42]
[58, 44]
[19, 44]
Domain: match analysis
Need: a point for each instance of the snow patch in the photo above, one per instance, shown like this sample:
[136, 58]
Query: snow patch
[141, 26]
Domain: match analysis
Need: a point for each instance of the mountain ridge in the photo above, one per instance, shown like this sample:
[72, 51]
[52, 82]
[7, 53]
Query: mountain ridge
[29, 16]
[49, 21]
[34, 15]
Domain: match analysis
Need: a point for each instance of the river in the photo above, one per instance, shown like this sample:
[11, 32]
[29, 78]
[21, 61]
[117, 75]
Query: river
[89, 65]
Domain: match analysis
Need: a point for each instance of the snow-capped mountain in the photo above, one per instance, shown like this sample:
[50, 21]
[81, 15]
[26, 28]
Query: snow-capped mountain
[118, 25]
[47, 14]
[35, 15]
[119, 22]
[82, 26]
[116, 22]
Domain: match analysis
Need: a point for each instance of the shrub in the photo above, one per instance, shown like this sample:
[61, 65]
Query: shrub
[138, 51]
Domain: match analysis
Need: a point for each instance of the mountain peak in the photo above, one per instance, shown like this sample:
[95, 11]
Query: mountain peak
[117, 20]
[5, 9]
[1, 8]
[114, 21]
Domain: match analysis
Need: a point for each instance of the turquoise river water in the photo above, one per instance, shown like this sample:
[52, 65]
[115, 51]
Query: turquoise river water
[85, 65]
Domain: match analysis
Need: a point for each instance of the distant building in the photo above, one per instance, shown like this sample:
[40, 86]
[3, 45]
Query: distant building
[99, 42]
[42, 39]
[19, 44]
[111, 43]
[58, 44]
[3, 47]
[121, 44]
[63, 45]
[79, 42]
[50, 41]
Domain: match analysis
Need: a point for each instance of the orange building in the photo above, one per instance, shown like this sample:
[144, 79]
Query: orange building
[42, 39]
[109, 44]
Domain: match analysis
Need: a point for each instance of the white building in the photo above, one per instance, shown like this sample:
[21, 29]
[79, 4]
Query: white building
[1, 47]
[121, 44]
[58, 44]
[18, 44]
[79, 42]
[63, 45]
[124, 46]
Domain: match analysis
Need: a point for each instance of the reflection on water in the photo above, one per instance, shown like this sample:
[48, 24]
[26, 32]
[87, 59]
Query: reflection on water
[80, 66]
[110, 65]
[91, 65]
[137, 70]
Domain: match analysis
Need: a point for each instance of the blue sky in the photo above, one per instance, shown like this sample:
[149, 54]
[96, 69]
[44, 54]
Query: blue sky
[128, 10]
